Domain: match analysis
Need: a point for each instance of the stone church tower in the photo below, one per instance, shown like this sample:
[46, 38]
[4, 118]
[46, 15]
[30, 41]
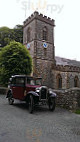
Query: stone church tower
[38, 37]
[56, 72]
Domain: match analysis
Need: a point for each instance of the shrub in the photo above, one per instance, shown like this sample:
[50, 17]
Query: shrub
[14, 59]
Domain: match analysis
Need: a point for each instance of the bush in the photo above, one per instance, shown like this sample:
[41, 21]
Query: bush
[77, 111]
[14, 59]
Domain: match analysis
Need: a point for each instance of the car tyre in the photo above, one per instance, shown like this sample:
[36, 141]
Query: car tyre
[31, 104]
[10, 100]
[52, 104]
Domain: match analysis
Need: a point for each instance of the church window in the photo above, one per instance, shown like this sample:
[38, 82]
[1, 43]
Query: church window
[59, 81]
[76, 81]
[44, 33]
[28, 34]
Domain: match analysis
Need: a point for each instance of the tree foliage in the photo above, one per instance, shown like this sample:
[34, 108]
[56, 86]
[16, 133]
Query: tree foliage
[14, 59]
[18, 33]
[7, 35]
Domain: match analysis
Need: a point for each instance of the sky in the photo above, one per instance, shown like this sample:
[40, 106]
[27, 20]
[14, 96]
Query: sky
[66, 14]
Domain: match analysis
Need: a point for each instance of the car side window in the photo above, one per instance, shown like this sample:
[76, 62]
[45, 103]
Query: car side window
[18, 81]
[30, 81]
[13, 81]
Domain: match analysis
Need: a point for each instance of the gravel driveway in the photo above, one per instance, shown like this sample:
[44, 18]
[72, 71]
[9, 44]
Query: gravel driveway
[17, 125]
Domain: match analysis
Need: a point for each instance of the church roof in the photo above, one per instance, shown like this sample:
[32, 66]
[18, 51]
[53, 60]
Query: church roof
[64, 62]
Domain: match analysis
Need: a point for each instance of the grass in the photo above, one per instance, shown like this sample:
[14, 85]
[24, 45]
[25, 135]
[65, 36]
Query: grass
[77, 111]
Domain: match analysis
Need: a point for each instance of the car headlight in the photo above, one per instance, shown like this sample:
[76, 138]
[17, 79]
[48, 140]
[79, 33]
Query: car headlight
[50, 92]
[37, 90]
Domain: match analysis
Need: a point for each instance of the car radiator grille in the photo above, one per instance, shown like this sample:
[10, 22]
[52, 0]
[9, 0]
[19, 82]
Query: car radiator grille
[43, 93]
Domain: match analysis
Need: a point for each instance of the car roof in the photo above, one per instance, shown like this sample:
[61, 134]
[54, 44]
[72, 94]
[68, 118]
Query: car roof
[26, 76]
[18, 76]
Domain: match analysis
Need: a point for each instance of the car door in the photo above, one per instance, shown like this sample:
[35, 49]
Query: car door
[18, 87]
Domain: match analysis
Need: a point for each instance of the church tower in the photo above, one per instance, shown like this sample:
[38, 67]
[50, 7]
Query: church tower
[38, 38]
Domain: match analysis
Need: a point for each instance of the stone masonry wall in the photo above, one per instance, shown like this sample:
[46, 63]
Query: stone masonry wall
[67, 79]
[64, 79]
[71, 76]
[43, 58]
[43, 69]
[69, 98]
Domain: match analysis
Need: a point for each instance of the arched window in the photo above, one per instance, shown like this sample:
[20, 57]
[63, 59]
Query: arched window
[59, 81]
[76, 81]
[44, 33]
[28, 34]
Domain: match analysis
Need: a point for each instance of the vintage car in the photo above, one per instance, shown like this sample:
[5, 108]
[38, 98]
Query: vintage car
[30, 90]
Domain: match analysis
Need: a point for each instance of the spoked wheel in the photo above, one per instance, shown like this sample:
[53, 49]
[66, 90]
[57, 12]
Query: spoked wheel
[31, 104]
[52, 104]
[10, 99]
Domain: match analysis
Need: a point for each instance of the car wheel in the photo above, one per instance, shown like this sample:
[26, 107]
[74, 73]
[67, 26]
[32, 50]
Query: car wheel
[31, 104]
[52, 104]
[10, 100]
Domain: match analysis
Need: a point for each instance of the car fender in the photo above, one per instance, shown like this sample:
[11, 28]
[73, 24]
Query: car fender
[53, 95]
[33, 93]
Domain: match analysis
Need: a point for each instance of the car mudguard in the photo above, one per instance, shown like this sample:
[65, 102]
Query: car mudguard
[53, 95]
[33, 93]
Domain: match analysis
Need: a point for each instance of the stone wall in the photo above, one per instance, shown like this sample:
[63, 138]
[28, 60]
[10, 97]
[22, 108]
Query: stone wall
[71, 76]
[67, 78]
[3, 90]
[43, 68]
[69, 98]
[64, 79]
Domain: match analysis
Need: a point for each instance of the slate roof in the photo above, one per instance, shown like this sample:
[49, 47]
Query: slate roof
[64, 62]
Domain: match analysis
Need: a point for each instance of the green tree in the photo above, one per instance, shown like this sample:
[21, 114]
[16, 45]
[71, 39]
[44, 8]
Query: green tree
[18, 33]
[4, 36]
[14, 59]
[7, 35]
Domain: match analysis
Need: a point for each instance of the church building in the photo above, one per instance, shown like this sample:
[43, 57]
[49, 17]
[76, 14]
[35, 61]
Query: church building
[56, 72]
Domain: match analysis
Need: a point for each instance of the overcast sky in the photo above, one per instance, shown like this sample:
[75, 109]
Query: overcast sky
[66, 14]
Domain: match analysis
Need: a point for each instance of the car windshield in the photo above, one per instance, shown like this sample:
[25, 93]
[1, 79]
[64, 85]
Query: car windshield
[38, 81]
[32, 81]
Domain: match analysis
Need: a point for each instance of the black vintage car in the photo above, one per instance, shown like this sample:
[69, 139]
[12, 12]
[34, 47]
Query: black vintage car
[30, 90]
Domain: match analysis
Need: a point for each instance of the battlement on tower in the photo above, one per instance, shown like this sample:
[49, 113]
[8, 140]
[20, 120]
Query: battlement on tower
[41, 17]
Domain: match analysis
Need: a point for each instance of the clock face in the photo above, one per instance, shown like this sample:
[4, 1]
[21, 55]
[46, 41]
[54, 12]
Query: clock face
[45, 45]
[28, 46]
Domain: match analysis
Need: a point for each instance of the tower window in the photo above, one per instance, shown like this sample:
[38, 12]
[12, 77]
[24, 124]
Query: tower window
[28, 35]
[44, 33]
[59, 81]
[76, 81]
